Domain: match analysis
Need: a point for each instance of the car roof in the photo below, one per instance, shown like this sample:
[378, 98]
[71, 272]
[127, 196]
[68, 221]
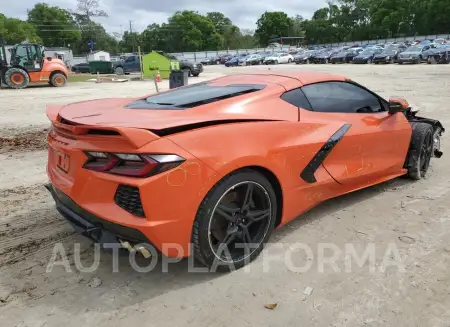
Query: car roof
[283, 78]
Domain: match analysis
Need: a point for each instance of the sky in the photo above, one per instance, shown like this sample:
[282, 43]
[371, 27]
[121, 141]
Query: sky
[242, 13]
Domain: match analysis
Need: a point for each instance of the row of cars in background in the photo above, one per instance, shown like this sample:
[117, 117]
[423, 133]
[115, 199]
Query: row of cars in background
[431, 51]
[256, 58]
[428, 51]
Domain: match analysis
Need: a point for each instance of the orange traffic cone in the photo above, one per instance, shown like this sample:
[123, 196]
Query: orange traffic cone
[158, 77]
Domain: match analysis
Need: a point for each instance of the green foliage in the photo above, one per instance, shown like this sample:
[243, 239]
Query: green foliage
[339, 20]
[55, 26]
[14, 30]
[273, 24]
[377, 19]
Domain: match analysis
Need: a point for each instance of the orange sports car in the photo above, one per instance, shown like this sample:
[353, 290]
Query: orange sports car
[211, 169]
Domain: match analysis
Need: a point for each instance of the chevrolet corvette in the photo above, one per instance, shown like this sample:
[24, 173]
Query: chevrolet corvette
[214, 167]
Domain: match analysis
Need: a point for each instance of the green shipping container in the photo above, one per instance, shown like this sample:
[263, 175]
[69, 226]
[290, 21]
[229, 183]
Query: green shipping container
[102, 67]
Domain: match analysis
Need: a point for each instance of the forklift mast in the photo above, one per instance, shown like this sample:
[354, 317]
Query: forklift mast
[3, 62]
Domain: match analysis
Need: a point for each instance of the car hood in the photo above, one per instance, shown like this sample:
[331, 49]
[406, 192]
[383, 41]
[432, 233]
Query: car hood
[271, 58]
[114, 113]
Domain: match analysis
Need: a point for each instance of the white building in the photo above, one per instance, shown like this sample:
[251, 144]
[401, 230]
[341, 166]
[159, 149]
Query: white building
[98, 56]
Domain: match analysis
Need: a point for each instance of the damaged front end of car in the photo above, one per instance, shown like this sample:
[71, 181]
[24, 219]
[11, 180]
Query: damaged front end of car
[438, 129]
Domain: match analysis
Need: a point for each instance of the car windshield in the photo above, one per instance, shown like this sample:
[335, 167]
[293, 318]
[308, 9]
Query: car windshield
[342, 53]
[367, 52]
[414, 48]
[389, 51]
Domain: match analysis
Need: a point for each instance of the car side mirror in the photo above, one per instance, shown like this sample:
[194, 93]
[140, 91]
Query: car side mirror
[397, 104]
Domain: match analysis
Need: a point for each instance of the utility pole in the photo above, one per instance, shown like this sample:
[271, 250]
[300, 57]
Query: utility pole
[131, 35]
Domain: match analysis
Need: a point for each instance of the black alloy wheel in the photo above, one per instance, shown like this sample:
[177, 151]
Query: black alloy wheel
[234, 221]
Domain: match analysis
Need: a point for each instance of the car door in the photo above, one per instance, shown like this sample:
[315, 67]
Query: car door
[372, 143]
[128, 64]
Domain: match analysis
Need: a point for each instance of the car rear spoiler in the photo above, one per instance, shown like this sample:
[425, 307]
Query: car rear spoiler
[137, 137]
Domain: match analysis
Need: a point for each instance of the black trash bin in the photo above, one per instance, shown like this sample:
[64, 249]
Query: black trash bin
[178, 78]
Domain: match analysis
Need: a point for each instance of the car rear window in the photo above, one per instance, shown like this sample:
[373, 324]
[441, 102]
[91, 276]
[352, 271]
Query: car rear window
[193, 96]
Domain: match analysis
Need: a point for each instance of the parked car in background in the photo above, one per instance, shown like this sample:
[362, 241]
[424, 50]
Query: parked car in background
[254, 59]
[324, 58]
[264, 54]
[440, 41]
[242, 60]
[304, 58]
[352, 53]
[234, 61]
[225, 58]
[81, 68]
[366, 56]
[388, 56]
[413, 55]
[279, 58]
[433, 48]
[210, 61]
[339, 57]
[441, 55]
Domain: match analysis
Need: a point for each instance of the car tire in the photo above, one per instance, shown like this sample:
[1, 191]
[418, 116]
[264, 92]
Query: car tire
[209, 224]
[369, 61]
[289, 61]
[58, 80]
[188, 70]
[276, 62]
[195, 74]
[308, 61]
[16, 78]
[119, 71]
[420, 150]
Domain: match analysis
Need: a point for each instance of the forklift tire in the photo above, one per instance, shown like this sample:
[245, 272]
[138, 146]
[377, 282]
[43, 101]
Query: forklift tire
[17, 78]
[58, 80]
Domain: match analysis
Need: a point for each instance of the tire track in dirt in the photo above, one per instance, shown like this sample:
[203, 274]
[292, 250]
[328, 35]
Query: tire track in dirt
[27, 141]
[28, 223]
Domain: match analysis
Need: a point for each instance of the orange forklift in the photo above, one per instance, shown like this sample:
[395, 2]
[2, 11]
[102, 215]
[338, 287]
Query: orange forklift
[28, 64]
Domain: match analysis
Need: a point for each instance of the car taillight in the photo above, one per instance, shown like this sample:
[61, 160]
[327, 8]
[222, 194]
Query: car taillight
[130, 164]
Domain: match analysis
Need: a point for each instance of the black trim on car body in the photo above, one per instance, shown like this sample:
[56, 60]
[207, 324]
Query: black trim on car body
[308, 172]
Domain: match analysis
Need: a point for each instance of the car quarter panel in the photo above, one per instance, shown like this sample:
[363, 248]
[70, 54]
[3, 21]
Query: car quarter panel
[283, 148]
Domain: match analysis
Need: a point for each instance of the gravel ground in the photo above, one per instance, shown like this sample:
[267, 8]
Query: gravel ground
[405, 221]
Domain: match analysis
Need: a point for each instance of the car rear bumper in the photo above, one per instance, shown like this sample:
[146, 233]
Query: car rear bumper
[93, 226]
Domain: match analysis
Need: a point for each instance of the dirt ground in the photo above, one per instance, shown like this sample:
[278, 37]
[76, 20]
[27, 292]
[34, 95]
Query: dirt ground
[414, 217]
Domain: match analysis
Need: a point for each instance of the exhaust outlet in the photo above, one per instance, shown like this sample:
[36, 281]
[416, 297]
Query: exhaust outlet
[139, 248]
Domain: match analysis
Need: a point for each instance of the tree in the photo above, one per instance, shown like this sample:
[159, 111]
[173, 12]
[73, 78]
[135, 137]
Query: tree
[87, 9]
[55, 26]
[220, 21]
[190, 31]
[271, 25]
[102, 40]
[14, 30]
[130, 41]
